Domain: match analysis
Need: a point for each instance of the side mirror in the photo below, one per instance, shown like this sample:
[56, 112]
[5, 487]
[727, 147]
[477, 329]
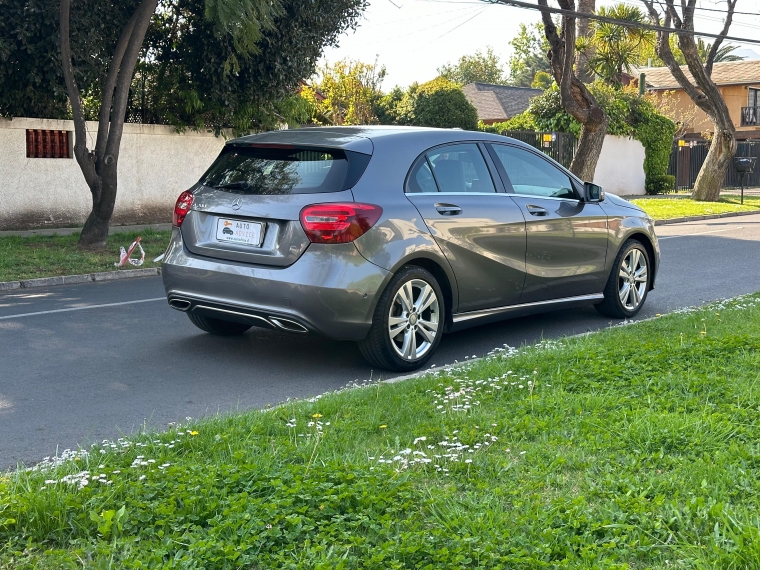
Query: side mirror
[592, 192]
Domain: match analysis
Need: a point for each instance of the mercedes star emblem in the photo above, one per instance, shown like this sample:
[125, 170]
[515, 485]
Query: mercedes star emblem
[237, 203]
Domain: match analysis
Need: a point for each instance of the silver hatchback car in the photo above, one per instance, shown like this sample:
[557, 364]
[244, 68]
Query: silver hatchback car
[392, 236]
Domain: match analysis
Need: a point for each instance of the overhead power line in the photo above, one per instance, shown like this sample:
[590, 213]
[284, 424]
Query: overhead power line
[618, 22]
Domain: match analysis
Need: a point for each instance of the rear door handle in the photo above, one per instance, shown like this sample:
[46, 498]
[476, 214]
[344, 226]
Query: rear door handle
[448, 209]
[536, 210]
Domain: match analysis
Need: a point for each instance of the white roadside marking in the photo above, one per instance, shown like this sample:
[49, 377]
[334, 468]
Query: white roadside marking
[82, 308]
[701, 233]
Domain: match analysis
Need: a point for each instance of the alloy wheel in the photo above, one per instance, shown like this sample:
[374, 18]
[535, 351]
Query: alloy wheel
[633, 279]
[414, 319]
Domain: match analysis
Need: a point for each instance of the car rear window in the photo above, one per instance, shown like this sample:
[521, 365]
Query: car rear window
[277, 171]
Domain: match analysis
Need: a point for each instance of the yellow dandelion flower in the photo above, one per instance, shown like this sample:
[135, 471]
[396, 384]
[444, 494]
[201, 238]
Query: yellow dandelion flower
[383, 426]
[316, 416]
[193, 433]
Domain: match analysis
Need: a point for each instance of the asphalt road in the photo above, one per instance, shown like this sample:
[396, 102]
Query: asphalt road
[72, 374]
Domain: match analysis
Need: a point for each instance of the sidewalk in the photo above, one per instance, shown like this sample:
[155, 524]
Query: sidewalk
[69, 231]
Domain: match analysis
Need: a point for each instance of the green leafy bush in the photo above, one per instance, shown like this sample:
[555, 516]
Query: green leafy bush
[437, 103]
[522, 122]
[630, 116]
[660, 184]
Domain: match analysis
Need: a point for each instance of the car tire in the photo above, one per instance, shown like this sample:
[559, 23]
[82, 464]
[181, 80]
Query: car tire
[217, 326]
[418, 328]
[628, 283]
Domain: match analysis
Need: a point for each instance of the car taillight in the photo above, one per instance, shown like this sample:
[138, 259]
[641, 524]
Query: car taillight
[182, 207]
[338, 223]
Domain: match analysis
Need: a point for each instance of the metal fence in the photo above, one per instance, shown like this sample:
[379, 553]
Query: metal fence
[686, 162]
[560, 146]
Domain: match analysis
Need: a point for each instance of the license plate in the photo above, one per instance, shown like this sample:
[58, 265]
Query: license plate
[235, 231]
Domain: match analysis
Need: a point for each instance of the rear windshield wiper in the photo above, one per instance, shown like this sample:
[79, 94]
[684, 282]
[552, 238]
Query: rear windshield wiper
[241, 184]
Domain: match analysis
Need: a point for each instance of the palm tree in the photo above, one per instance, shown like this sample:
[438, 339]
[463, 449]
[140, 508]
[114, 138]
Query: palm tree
[723, 53]
[617, 49]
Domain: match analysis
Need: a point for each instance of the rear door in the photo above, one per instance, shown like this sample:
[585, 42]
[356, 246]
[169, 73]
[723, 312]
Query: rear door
[246, 207]
[480, 231]
[566, 238]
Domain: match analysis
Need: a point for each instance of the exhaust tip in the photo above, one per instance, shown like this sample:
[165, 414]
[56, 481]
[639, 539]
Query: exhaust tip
[288, 325]
[179, 304]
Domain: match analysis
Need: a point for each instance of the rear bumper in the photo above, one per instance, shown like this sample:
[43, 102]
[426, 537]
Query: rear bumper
[330, 290]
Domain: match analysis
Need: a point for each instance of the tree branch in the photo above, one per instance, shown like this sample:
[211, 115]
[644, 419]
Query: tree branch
[558, 58]
[144, 13]
[82, 154]
[723, 33]
[688, 14]
[666, 55]
[104, 117]
[568, 38]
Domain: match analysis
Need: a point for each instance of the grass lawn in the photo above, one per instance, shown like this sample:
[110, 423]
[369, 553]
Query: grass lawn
[47, 256]
[636, 447]
[663, 208]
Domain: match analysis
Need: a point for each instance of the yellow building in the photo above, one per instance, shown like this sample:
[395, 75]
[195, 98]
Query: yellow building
[739, 83]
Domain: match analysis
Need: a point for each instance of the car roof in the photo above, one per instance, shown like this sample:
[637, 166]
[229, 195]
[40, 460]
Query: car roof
[359, 138]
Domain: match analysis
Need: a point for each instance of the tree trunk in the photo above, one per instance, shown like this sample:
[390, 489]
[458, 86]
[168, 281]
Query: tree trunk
[589, 149]
[582, 69]
[95, 231]
[99, 165]
[713, 172]
[702, 91]
[576, 99]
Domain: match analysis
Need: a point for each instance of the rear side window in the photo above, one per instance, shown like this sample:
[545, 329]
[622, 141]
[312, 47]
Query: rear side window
[277, 171]
[455, 168]
[421, 179]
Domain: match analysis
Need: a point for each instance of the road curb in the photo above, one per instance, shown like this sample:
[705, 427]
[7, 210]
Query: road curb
[74, 279]
[699, 218]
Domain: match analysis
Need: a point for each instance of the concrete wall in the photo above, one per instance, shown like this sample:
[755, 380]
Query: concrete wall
[620, 169]
[155, 164]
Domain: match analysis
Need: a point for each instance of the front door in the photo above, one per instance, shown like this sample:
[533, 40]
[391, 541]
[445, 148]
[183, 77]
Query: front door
[566, 238]
[480, 231]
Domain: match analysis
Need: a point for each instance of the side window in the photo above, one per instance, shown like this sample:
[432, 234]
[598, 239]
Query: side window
[420, 178]
[532, 175]
[460, 168]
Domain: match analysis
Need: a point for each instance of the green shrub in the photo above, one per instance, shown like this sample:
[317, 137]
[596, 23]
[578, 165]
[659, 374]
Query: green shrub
[522, 122]
[660, 184]
[630, 116]
[437, 103]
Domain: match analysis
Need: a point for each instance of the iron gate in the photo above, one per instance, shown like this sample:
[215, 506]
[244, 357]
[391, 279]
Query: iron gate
[686, 162]
[560, 146]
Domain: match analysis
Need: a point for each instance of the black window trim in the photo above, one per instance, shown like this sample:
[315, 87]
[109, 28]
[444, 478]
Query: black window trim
[495, 178]
[508, 183]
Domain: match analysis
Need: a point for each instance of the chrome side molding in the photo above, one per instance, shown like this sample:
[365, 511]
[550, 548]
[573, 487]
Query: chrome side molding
[473, 315]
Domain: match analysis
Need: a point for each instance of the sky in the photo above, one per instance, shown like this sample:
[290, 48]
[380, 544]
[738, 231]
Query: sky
[413, 38]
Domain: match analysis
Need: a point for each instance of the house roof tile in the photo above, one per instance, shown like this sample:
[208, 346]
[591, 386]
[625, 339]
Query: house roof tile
[724, 73]
[498, 102]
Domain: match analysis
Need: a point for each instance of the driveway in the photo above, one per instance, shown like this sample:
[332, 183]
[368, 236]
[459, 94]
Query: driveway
[87, 362]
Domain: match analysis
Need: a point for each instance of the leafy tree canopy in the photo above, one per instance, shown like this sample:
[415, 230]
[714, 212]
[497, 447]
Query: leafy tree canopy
[437, 103]
[529, 55]
[346, 93]
[192, 81]
[482, 67]
[30, 60]
[205, 63]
